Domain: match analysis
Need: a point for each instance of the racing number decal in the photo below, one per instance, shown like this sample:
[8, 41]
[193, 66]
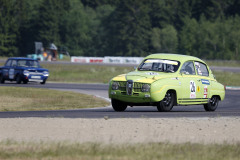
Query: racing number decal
[192, 89]
[11, 73]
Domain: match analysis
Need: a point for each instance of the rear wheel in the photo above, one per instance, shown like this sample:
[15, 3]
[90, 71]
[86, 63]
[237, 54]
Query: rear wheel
[118, 106]
[18, 79]
[212, 104]
[2, 80]
[167, 103]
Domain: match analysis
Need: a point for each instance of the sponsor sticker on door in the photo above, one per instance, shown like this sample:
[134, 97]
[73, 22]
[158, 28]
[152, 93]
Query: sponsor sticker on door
[205, 81]
[205, 92]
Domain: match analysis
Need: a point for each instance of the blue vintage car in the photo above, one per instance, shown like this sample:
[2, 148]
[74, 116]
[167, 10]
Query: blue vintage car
[23, 70]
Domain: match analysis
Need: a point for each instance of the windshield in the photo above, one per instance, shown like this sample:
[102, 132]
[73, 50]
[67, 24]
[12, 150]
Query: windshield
[160, 65]
[28, 63]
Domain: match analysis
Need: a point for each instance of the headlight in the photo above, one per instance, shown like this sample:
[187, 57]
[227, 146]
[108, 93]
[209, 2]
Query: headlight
[146, 88]
[115, 85]
[26, 72]
[46, 73]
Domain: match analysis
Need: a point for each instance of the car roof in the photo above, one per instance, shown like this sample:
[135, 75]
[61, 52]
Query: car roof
[176, 57]
[22, 58]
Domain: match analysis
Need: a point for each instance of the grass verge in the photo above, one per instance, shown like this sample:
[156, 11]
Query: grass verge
[64, 150]
[30, 99]
[84, 73]
[223, 63]
[227, 78]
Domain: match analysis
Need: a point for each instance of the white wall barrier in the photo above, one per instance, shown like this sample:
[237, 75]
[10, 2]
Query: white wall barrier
[107, 59]
[87, 59]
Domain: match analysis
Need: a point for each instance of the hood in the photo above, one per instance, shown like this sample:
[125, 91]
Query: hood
[147, 77]
[32, 69]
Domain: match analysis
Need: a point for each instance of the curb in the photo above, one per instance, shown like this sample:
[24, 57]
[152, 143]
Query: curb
[233, 88]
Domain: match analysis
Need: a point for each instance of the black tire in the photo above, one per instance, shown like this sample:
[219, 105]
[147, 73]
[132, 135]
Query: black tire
[43, 82]
[167, 103]
[25, 81]
[212, 104]
[2, 80]
[118, 105]
[18, 79]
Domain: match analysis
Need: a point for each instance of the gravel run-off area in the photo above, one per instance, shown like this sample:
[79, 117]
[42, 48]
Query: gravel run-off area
[218, 130]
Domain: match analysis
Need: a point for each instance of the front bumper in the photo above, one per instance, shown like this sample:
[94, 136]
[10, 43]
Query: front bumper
[136, 97]
[35, 78]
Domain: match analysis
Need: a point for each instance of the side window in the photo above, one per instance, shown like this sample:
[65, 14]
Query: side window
[14, 63]
[188, 68]
[201, 69]
[8, 63]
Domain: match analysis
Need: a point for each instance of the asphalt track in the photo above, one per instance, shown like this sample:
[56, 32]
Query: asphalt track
[228, 108]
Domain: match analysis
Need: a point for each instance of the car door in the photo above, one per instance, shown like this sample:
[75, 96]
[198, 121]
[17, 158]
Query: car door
[190, 84]
[7, 68]
[203, 78]
[12, 69]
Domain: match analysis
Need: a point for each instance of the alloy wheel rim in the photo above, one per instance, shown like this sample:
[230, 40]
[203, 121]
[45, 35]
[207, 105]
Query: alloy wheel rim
[167, 99]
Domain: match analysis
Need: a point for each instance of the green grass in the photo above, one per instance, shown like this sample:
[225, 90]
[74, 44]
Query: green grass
[223, 63]
[227, 78]
[65, 58]
[84, 73]
[90, 151]
[29, 99]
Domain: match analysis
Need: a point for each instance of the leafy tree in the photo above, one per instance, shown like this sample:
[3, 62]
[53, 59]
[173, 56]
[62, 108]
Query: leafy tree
[8, 28]
[164, 40]
[129, 29]
[181, 9]
[233, 9]
[211, 9]
[96, 3]
[161, 13]
[49, 21]
[77, 29]
[187, 37]
[24, 17]
[98, 31]
[234, 38]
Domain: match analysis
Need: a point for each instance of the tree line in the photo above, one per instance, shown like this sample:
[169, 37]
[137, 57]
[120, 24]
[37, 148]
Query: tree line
[208, 29]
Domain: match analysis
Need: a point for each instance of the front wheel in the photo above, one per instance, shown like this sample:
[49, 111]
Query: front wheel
[212, 104]
[118, 105]
[43, 82]
[18, 79]
[2, 80]
[167, 103]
